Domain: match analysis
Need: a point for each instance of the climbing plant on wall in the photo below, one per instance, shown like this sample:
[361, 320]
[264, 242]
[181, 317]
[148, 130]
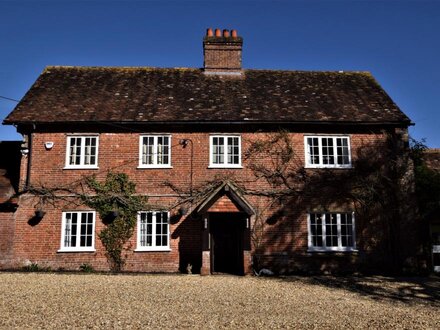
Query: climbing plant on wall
[117, 204]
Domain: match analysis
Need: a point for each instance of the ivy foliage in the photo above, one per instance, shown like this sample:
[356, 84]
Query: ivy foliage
[115, 197]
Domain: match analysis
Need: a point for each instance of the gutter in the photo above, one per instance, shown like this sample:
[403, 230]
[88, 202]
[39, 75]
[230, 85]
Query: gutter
[28, 170]
[201, 122]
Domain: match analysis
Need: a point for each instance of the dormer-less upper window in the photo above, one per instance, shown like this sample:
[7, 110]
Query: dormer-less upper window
[225, 151]
[328, 151]
[82, 152]
[155, 151]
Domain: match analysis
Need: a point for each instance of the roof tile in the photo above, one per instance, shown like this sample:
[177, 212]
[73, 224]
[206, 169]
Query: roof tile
[83, 94]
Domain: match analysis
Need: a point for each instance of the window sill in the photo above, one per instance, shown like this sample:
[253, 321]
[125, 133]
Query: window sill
[80, 168]
[144, 167]
[76, 250]
[153, 249]
[329, 167]
[337, 250]
[226, 167]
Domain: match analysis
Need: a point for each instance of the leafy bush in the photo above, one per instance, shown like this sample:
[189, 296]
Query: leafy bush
[86, 268]
[34, 267]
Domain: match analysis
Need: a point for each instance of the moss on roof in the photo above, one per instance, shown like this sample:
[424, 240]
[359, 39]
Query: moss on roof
[146, 94]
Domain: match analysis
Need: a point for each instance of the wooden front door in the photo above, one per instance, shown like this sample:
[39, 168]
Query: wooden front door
[227, 231]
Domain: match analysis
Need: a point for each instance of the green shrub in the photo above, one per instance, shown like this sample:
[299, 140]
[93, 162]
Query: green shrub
[34, 267]
[86, 268]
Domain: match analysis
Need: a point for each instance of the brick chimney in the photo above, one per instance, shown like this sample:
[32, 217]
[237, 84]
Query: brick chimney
[222, 52]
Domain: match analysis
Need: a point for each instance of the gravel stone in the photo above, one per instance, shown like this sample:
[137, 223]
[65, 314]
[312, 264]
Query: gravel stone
[93, 301]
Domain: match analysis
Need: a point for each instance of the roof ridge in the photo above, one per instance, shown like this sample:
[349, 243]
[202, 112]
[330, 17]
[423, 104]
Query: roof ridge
[150, 68]
[113, 68]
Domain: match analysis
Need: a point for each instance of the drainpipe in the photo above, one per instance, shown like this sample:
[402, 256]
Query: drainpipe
[28, 170]
[184, 143]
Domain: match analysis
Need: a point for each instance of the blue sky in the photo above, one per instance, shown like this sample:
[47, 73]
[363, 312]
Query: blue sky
[398, 41]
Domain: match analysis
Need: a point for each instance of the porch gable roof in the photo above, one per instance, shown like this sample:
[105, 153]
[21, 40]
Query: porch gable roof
[230, 190]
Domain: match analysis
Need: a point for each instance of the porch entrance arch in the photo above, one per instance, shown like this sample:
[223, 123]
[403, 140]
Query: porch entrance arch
[226, 217]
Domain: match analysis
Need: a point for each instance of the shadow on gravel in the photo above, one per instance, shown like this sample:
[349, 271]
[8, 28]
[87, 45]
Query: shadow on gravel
[404, 289]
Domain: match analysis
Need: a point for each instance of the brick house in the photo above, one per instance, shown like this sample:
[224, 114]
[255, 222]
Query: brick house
[241, 167]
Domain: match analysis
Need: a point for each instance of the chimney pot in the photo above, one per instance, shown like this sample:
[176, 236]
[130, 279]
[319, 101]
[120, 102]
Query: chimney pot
[209, 32]
[225, 33]
[234, 33]
[218, 33]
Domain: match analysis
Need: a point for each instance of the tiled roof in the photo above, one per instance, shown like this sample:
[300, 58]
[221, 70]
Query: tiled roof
[88, 94]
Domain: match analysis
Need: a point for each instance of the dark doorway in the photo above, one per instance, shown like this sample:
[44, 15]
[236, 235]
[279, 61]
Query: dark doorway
[227, 231]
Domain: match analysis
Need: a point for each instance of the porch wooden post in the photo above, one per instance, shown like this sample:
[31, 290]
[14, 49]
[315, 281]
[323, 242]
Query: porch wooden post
[247, 247]
[206, 249]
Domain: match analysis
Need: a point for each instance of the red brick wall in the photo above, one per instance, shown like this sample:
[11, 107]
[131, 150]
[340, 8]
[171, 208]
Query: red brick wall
[222, 56]
[6, 238]
[224, 204]
[284, 236]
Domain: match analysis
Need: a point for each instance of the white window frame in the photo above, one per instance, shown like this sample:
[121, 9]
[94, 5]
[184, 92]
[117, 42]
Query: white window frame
[82, 154]
[155, 164]
[224, 164]
[321, 163]
[153, 247]
[78, 234]
[325, 248]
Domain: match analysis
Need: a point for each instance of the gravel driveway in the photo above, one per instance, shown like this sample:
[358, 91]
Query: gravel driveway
[47, 300]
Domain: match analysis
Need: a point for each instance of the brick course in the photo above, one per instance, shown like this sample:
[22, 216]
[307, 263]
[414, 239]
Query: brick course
[284, 236]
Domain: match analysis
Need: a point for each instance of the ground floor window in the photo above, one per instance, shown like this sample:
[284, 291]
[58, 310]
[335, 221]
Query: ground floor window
[78, 231]
[153, 231]
[331, 232]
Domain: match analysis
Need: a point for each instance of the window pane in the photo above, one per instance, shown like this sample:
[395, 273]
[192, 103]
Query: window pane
[149, 229]
[338, 230]
[316, 229]
[313, 146]
[73, 232]
[215, 150]
[225, 150]
[75, 151]
[346, 230]
[146, 222]
[221, 150]
[233, 150]
[161, 229]
[218, 149]
[142, 229]
[342, 151]
[72, 151]
[82, 150]
[90, 151]
[159, 150]
[153, 229]
[147, 150]
[166, 150]
[328, 157]
[230, 150]
[331, 230]
[83, 230]
[333, 151]
[87, 151]
[78, 231]
[68, 230]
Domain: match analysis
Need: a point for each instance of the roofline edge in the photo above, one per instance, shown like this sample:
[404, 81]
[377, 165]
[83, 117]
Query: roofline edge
[247, 122]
